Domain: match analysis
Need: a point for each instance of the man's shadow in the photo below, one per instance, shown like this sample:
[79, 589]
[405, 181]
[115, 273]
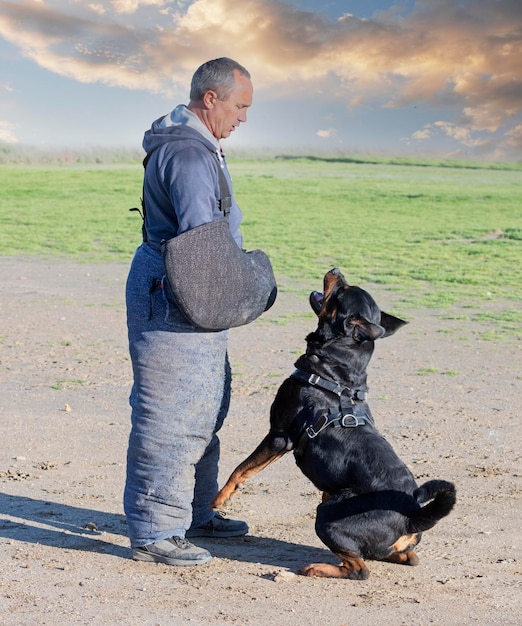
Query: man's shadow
[67, 527]
[62, 526]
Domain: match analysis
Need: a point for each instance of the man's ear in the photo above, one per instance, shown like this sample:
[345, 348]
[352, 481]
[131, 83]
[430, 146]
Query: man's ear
[209, 99]
[390, 323]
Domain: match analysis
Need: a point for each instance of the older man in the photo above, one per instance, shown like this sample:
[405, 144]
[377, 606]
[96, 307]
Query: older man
[182, 377]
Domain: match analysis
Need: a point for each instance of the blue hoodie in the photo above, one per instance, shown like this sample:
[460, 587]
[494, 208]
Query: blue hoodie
[181, 183]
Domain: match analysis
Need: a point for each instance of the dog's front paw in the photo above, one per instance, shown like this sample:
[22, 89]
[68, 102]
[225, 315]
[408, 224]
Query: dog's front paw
[320, 570]
[218, 502]
[224, 496]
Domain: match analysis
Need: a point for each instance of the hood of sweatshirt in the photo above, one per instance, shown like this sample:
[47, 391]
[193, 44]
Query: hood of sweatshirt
[180, 123]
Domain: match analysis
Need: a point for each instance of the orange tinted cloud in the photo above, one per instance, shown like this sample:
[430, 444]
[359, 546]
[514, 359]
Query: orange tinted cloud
[460, 56]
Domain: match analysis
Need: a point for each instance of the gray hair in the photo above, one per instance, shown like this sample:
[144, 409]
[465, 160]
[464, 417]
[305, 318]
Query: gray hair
[216, 75]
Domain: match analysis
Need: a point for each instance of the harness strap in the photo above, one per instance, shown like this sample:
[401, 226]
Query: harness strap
[225, 197]
[142, 201]
[323, 383]
[224, 200]
[347, 417]
[156, 283]
[351, 419]
[349, 414]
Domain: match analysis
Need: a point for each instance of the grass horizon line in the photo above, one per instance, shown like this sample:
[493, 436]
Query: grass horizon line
[121, 155]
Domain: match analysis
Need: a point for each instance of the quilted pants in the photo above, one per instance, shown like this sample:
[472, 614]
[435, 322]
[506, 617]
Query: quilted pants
[179, 399]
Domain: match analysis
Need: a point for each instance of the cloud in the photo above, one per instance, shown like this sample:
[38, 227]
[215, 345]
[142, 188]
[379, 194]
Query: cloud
[460, 134]
[456, 55]
[131, 6]
[514, 138]
[327, 134]
[97, 8]
[7, 134]
[426, 133]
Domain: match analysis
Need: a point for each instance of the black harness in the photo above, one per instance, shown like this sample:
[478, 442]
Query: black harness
[350, 414]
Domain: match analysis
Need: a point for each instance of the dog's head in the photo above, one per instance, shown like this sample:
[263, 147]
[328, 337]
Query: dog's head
[349, 311]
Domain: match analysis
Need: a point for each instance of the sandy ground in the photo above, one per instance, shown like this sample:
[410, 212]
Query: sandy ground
[64, 422]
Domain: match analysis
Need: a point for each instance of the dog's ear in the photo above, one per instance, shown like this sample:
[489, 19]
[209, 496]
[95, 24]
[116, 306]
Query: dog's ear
[390, 323]
[363, 330]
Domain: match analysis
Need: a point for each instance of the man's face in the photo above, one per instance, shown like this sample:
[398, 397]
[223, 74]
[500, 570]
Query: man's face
[226, 115]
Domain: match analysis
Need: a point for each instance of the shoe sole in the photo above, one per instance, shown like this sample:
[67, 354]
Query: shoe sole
[214, 535]
[166, 560]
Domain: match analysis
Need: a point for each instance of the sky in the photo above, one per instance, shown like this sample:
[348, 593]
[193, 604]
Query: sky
[411, 77]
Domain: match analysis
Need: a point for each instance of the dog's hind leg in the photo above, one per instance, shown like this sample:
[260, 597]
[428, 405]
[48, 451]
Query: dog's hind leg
[352, 566]
[273, 447]
[403, 550]
[403, 558]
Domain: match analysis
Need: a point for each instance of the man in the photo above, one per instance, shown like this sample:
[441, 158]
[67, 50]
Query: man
[182, 376]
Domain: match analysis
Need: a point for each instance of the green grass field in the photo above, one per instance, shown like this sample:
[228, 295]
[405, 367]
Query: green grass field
[437, 233]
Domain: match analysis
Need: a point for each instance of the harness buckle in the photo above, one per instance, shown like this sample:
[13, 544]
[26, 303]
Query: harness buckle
[352, 421]
[311, 432]
[314, 429]
[313, 379]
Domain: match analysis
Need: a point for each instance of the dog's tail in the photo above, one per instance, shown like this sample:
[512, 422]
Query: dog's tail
[441, 496]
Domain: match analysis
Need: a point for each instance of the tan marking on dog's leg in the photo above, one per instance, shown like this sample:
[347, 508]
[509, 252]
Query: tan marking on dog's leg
[404, 558]
[352, 567]
[403, 550]
[243, 471]
[326, 496]
[405, 543]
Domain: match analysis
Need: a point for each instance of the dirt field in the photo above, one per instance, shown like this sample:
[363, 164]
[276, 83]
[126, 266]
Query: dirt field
[448, 401]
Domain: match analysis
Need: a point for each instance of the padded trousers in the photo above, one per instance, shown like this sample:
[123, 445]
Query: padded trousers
[179, 399]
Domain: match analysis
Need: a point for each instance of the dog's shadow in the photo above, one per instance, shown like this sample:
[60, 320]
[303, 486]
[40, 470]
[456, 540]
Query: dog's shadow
[67, 527]
[266, 551]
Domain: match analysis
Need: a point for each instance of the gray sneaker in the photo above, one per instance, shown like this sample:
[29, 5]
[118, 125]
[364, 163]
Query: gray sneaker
[219, 526]
[172, 551]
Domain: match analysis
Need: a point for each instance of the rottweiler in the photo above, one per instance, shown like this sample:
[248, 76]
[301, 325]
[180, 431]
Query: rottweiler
[372, 507]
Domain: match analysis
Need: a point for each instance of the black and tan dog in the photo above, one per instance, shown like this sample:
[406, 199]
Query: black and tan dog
[372, 507]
